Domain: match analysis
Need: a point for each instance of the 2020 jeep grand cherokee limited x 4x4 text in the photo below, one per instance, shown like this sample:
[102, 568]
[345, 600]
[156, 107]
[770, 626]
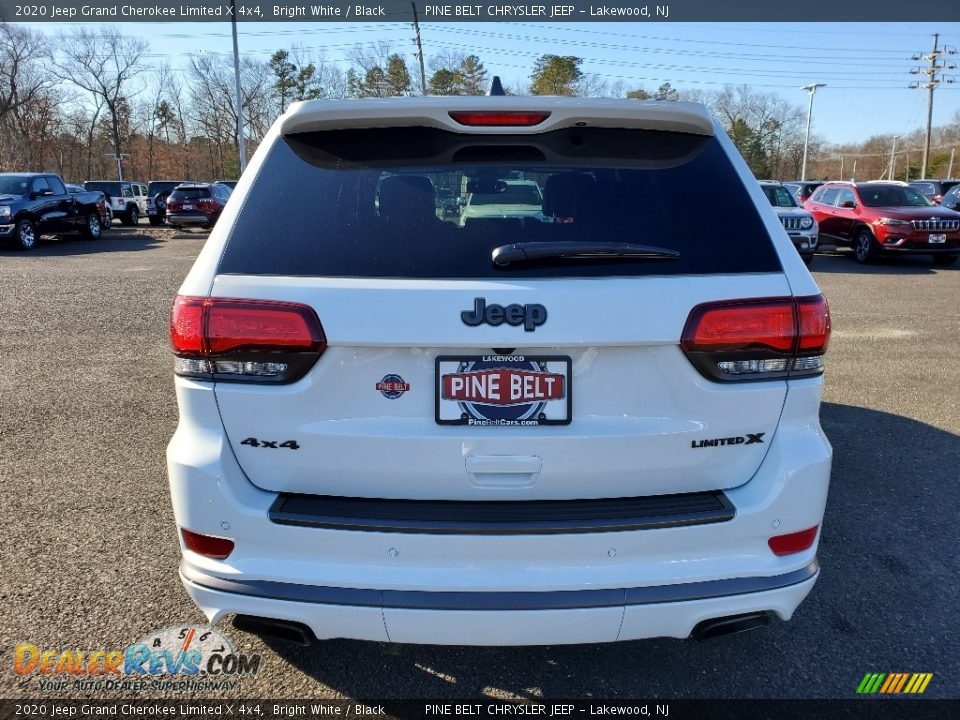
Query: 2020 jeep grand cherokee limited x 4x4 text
[595, 423]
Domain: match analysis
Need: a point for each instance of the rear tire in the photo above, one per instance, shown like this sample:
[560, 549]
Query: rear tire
[865, 247]
[156, 221]
[947, 259]
[92, 228]
[109, 220]
[25, 235]
[133, 217]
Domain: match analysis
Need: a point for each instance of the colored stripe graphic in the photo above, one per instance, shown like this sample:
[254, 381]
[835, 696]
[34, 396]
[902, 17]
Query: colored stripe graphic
[894, 683]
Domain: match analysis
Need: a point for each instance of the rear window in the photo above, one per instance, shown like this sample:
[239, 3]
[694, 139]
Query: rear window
[507, 193]
[190, 194]
[109, 188]
[363, 203]
[778, 196]
[925, 188]
[157, 187]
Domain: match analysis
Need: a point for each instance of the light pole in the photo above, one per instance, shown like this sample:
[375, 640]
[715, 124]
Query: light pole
[236, 72]
[893, 158]
[812, 90]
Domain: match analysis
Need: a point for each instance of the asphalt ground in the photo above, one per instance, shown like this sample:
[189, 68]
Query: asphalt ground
[90, 554]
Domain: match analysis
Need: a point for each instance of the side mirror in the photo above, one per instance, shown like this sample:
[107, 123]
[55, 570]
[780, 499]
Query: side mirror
[40, 194]
[849, 204]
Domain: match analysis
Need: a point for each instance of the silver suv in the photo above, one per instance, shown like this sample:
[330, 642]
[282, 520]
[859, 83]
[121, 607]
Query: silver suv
[800, 225]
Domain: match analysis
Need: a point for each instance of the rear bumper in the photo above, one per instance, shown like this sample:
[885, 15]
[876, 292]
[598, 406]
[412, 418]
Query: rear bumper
[417, 587]
[501, 618]
[188, 219]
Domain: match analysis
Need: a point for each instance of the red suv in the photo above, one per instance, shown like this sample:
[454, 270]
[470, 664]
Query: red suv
[878, 218]
[196, 204]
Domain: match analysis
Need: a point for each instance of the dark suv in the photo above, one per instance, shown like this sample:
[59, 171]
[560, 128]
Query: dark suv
[934, 189]
[802, 189]
[196, 204]
[877, 218]
[157, 193]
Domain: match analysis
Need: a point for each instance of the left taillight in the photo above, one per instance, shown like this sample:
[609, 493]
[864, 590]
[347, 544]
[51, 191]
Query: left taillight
[762, 339]
[207, 545]
[234, 340]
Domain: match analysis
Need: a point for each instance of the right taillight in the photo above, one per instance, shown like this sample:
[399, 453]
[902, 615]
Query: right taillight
[244, 340]
[733, 341]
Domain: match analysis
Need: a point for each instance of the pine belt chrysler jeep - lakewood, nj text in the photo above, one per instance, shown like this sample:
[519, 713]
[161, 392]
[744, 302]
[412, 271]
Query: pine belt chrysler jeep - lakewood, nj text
[595, 420]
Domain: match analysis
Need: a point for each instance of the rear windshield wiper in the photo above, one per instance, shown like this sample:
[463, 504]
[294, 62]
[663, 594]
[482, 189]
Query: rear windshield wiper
[526, 252]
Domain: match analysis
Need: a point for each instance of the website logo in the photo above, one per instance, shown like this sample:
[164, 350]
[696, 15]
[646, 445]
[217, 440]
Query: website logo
[894, 683]
[181, 657]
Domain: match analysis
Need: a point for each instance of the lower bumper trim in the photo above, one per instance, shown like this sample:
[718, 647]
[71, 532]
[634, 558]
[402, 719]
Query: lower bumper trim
[548, 600]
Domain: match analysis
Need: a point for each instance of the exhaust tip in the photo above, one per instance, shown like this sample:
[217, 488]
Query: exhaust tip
[286, 630]
[730, 625]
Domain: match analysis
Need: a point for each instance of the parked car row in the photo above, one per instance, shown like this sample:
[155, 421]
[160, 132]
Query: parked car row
[35, 204]
[875, 218]
[885, 218]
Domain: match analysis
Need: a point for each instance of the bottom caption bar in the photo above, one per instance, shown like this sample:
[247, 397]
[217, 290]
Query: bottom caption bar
[275, 709]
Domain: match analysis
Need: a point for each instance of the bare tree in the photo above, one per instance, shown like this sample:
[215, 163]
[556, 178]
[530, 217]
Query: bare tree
[22, 77]
[103, 63]
[153, 116]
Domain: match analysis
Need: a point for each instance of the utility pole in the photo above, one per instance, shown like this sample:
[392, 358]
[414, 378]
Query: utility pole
[119, 158]
[812, 89]
[893, 158]
[935, 77]
[950, 169]
[416, 29]
[236, 73]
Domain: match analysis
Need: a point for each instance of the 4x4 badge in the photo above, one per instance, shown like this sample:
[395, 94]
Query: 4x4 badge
[530, 316]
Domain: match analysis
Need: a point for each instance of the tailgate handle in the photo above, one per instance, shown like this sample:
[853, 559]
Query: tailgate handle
[503, 470]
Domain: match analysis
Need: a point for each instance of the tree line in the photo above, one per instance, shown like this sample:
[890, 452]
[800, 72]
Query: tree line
[73, 105]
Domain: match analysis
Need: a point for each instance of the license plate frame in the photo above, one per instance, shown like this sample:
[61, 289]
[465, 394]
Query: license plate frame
[937, 238]
[470, 416]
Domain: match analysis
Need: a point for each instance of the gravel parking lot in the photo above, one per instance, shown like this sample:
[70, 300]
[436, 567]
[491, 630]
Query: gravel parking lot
[91, 557]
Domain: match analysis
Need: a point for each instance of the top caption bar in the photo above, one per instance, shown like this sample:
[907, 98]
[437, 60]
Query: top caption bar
[111, 11]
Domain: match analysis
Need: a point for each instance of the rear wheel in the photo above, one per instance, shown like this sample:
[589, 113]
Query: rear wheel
[947, 259]
[25, 235]
[92, 227]
[865, 247]
[109, 220]
[133, 216]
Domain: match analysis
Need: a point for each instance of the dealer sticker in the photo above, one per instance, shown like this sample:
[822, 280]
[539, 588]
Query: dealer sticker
[503, 390]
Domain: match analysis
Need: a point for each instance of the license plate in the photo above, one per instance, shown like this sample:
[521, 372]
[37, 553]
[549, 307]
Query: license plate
[938, 238]
[188, 207]
[503, 390]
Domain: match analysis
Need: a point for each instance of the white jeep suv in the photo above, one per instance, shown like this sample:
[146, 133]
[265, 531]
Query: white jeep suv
[596, 424]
